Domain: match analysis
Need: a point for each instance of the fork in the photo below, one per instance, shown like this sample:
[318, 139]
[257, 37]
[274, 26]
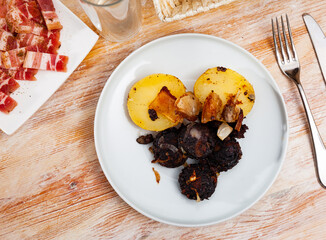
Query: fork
[288, 62]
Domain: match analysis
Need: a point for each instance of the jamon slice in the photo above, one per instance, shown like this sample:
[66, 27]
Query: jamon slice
[28, 39]
[3, 24]
[17, 2]
[7, 41]
[31, 11]
[21, 73]
[46, 61]
[21, 24]
[24, 74]
[48, 11]
[7, 104]
[31, 27]
[52, 42]
[48, 42]
[3, 74]
[8, 85]
[4, 37]
[3, 8]
[13, 59]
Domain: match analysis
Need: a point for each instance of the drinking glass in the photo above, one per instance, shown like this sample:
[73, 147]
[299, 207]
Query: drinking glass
[117, 20]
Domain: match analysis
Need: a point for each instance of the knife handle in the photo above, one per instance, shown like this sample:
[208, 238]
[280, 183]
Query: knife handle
[317, 142]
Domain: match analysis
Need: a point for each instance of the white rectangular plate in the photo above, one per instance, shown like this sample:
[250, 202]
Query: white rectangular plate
[76, 42]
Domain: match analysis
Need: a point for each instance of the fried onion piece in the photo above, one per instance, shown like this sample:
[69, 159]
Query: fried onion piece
[188, 106]
[157, 175]
[164, 104]
[231, 111]
[212, 108]
[224, 131]
[239, 122]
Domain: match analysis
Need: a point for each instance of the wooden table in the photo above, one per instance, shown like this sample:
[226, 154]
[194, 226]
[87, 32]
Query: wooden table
[51, 183]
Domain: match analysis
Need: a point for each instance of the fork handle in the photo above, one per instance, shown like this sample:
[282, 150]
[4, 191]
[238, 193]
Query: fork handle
[318, 145]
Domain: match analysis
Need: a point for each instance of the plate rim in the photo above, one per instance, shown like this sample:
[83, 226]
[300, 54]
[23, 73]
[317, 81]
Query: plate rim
[167, 38]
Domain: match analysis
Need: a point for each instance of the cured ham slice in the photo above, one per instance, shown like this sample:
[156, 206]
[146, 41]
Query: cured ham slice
[7, 104]
[23, 21]
[3, 8]
[48, 42]
[13, 59]
[52, 41]
[3, 24]
[8, 85]
[21, 73]
[7, 41]
[24, 74]
[44, 41]
[4, 38]
[48, 11]
[27, 8]
[46, 61]
[17, 2]
[3, 75]
[28, 39]
[31, 27]
[31, 11]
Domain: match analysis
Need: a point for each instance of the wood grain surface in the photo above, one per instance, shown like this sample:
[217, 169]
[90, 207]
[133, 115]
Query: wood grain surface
[51, 183]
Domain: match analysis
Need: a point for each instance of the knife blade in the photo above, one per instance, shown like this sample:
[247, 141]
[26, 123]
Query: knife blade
[318, 40]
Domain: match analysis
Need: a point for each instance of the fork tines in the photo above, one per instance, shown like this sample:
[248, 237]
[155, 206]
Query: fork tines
[280, 41]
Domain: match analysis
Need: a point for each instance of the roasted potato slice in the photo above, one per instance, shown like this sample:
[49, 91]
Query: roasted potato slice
[226, 83]
[143, 93]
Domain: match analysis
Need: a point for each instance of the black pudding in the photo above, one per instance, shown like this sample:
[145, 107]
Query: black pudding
[225, 156]
[197, 140]
[165, 149]
[197, 181]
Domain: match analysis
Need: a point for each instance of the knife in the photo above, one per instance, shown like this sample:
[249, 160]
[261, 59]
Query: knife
[318, 40]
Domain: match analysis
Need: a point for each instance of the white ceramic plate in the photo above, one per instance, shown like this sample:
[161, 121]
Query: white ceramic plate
[76, 42]
[127, 164]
